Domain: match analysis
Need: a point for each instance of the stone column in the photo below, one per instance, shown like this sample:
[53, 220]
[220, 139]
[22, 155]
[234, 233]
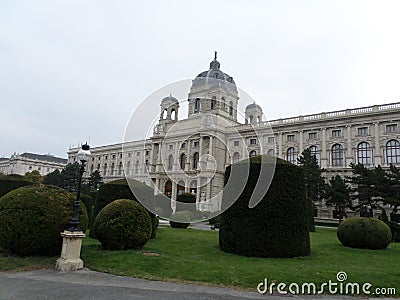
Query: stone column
[349, 156]
[187, 167]
[301, 142]
[280, 146]
[71, 251]
[174, 189]
[377, 155]
[324, 158]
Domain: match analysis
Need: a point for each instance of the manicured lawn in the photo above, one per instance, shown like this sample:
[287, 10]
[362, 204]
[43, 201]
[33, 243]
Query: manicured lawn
[15, 263]
[193, 255]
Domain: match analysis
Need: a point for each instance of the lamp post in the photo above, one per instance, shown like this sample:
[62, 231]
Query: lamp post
[83, 156]
[72, 238]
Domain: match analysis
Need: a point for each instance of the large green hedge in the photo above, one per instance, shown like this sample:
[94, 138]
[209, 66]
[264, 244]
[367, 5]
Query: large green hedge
[364, 233]
[119, 189]
[12, 182]
[123, 224]
[276, 226]
[32, 218]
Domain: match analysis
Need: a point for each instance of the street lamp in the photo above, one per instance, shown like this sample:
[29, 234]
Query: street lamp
[83, 156]
[72, 238]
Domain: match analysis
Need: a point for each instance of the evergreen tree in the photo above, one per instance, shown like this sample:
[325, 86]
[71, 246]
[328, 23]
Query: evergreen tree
[337, 194]
[53, 178]
[370, 187]
[95, 180]
[315, 183]
[34, 176]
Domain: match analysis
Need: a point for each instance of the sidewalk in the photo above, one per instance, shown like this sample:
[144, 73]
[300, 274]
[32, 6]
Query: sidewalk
[87, 284]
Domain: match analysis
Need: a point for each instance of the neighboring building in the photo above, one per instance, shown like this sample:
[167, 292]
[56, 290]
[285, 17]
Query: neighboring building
[28, 162]
[211, 138]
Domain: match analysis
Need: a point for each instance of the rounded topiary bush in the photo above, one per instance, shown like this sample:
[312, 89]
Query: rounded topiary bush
[122, 189]
[277, 226]
[364, 233]
[181, 219]
[123, 224]
[32, 218]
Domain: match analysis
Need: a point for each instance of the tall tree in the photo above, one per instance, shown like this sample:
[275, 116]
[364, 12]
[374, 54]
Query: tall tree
[34, 176]
[95, 180]
[315, 183]
[369, 187]
[337, 194]
[53, 178]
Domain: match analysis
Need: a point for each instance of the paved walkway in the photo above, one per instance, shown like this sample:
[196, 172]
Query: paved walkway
[87, 284]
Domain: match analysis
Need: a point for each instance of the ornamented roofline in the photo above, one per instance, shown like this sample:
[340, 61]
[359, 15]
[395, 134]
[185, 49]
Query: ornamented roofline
[336, 114]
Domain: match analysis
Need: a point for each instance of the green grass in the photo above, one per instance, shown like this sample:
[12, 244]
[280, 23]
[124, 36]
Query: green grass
[193, 255]
[16, 263]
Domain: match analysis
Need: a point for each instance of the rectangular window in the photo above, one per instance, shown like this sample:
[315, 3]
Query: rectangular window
[253, 141]
[271, 139]
[171, 147]
[196, 144]
[312, 135]
[290, 138]
[391, 128]
[362, 130]
[336, 133]
[138, 153]
[120, 155]
[106, 157]
[99, 158]
[147, 152]
[113, 157]
[235, 143]
[129, 154]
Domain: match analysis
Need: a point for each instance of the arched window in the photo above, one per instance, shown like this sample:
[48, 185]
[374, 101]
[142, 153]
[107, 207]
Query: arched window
[120, 168]
[137, 167]
[230, 108]
[91, 169]
[147, 164]
[193, 187]
[129, 168]
[364, 153]
[195, 160]
[235, 157]
[180, 189]
[337, 155]
[291, 155]
[251, 119]
[165, 114]
[314, 152]
[173, 114]
[271, 152]
[393, 152]
[253, 153]
[197, 105]
[168, 188]
[105, 170]
[112, 169]
[213, 102]
[183, 161]
[170, 162]
[258, 120]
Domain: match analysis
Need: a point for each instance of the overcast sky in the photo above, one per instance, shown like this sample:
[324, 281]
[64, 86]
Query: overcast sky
[71, 71]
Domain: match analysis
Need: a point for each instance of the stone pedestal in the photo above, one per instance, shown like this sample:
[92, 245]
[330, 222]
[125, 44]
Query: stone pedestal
[71, 251]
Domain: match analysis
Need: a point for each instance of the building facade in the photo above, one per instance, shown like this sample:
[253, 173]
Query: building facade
[28, 162]
[191, 155]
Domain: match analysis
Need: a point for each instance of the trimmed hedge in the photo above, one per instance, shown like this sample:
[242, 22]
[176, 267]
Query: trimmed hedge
[12, 182]
[186, 202]
[123, 224]
[277, 226]
[32, 218]
[164, 204]
[119, 189]
[364, 233]
[181, 219]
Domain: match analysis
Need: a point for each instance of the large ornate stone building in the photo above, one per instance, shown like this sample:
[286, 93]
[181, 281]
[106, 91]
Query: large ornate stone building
[28, 162]
[191, 155]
